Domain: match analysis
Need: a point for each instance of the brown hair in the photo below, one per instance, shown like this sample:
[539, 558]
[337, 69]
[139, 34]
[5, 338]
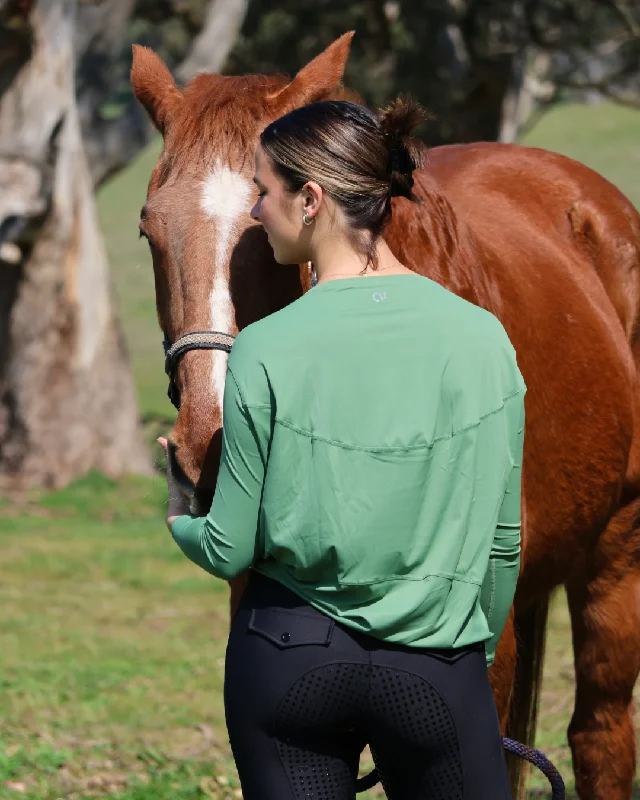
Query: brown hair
[361, 158]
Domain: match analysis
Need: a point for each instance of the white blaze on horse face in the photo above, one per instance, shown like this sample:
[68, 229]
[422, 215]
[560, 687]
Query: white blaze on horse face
[225, 198]
[221, 320]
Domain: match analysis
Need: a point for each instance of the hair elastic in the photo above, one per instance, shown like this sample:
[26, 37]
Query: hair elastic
[395, 159]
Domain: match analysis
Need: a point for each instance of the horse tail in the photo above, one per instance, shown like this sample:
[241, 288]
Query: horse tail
[530, 629]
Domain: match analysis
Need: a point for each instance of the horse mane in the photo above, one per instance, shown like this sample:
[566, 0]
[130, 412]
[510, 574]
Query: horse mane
[434, 240]
[223, 109]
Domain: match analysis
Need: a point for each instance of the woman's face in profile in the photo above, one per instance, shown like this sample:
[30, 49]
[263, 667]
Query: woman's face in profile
[280, 213]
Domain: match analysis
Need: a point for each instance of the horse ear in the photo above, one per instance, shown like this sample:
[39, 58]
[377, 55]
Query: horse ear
[154, 86]
[317, 80]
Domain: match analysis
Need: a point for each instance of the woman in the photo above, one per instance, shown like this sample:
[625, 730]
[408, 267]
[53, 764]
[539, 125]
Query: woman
[370, 476]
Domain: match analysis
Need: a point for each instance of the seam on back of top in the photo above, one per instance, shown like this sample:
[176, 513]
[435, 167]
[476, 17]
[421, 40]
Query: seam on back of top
[390, 448]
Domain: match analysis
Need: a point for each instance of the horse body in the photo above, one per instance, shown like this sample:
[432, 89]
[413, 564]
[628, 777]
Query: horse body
[559, 249]
[572, 346]
[559, 253]
[570, 339]
[553, 250]
[563, 324]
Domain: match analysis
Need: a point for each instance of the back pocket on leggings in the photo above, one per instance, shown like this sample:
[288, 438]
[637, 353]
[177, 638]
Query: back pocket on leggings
[287, 628]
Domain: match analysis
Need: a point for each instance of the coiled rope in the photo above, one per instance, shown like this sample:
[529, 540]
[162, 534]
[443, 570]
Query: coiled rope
[529, 754]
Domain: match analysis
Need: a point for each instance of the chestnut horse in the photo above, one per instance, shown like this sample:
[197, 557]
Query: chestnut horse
[548, 246]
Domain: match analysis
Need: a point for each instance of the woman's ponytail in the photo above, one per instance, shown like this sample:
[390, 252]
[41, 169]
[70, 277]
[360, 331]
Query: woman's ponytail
[406, 153]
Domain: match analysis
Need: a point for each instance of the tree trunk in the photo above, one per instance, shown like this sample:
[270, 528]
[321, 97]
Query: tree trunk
[511, 116]
[67, 399]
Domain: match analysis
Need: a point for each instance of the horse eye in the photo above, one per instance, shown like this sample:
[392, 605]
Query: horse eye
[144, 235]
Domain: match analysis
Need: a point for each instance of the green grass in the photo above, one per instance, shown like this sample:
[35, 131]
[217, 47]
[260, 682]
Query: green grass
[112, 650]
[111, 643]
[112, 653]
[112, 647]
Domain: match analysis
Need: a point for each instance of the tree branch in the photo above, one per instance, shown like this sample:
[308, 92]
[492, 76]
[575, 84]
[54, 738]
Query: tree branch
[625, 16]
[212, 45]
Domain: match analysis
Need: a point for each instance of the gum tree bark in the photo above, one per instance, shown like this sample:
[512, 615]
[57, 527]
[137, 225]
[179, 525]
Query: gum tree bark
[67, 399]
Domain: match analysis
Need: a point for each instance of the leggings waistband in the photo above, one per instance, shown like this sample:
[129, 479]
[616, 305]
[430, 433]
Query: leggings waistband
[265, 592]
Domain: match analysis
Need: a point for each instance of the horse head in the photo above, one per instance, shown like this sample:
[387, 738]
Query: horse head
[214, 269]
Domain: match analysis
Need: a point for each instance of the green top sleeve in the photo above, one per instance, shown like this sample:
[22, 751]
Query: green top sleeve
[224, 543]
[499, 585]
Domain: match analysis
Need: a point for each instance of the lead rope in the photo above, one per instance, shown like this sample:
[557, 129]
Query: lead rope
[539, 760]
[529, 754]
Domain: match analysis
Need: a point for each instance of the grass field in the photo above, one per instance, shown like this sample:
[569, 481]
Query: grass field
[111, 643]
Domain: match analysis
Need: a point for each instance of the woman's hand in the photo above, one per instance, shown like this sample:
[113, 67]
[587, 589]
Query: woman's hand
[178, 503]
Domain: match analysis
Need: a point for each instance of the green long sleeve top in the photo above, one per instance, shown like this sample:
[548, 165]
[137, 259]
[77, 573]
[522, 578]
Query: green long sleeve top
[372, 450]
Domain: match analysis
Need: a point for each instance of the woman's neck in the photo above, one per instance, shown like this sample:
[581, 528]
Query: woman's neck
[339, 259]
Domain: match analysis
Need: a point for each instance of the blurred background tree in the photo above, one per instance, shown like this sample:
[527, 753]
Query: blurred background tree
[68, 122]
[67, 396]
[482, 66]
[190, 36]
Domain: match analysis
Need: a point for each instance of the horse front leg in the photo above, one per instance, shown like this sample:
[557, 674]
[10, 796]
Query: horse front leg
[605, 619]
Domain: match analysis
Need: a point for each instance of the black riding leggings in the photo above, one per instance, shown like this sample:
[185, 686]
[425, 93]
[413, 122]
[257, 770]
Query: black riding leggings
[304, 695]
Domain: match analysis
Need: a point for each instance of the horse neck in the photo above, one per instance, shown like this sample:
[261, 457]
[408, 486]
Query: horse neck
[433, 240]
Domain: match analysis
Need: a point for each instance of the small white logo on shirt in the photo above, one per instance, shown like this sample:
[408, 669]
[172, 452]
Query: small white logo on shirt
[379, 297]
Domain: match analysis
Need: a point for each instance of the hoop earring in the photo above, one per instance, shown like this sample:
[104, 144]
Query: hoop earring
[306, 219]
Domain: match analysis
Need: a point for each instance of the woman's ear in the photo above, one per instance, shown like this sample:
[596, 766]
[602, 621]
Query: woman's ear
[312, 196]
